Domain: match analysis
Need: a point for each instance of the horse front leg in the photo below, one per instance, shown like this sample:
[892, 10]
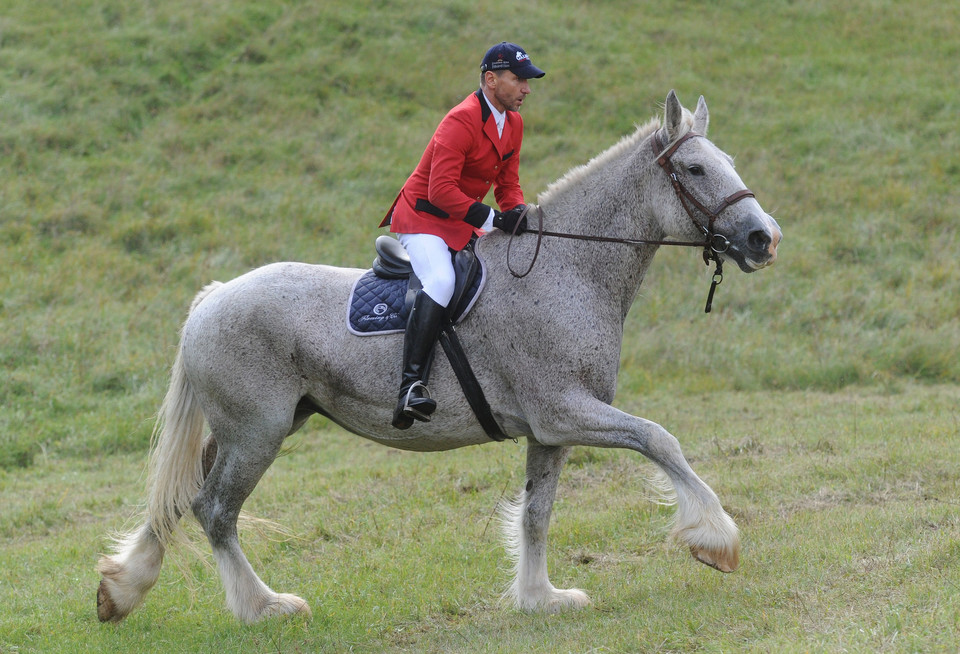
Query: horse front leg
[526, 522]
[700, 522]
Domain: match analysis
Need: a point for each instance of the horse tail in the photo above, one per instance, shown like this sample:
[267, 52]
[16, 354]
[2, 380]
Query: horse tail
[176, 449]
[175, 473]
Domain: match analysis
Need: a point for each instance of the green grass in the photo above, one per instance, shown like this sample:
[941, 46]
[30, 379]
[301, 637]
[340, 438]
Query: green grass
[847, 503]
[147, 148]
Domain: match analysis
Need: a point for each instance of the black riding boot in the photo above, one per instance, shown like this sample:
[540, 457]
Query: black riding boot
[423, 327]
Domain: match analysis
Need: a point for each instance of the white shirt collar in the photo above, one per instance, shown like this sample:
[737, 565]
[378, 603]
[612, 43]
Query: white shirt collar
[499, 116]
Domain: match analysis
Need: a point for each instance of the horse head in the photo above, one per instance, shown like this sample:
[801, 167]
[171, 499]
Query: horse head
[710, 198]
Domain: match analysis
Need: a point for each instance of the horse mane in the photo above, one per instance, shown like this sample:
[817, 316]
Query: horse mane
[626, 144]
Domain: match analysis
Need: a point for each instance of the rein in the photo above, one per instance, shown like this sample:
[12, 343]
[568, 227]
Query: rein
[713, 245]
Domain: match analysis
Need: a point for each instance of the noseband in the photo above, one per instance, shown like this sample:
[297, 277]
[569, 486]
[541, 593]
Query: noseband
[713, 245]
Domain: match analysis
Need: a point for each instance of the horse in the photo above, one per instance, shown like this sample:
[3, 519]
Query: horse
[260, 354]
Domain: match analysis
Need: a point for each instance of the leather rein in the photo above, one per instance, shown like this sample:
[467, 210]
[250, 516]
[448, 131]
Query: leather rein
[714, 244]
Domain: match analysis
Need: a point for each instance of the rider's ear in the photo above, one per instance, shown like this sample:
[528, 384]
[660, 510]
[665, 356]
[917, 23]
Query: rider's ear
[701, 117]
[674, 115]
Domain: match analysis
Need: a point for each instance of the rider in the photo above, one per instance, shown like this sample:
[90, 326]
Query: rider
[440, 207]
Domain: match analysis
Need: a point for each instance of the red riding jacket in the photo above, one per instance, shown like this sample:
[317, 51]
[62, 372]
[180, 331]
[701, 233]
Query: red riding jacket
[463, 160]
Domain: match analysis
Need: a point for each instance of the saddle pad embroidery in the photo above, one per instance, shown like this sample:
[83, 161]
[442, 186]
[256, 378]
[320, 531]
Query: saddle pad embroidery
[378, 306]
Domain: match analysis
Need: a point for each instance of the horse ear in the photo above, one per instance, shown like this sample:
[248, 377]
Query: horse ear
[701, 117]
[674, 114]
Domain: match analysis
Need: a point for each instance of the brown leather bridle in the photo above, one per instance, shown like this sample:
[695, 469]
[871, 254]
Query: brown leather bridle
[716, 244]
[664, 159]
[713, 245]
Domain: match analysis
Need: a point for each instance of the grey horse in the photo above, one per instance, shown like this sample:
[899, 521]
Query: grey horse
[262, 353]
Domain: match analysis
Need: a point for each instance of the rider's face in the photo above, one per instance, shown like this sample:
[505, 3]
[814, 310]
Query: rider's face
[506, 90]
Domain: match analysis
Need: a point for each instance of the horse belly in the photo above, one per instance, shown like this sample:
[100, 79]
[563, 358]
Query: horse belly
[357, 388]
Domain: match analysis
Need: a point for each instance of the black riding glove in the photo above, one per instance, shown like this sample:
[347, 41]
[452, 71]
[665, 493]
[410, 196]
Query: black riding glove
[508, 220]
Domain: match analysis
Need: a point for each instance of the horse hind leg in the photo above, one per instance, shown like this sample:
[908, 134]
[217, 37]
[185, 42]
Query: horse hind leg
[239, 465]
[526, 522]
[134, 567]
[128, 574]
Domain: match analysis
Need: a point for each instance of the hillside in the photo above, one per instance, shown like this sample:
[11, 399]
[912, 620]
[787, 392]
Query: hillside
[146, 148]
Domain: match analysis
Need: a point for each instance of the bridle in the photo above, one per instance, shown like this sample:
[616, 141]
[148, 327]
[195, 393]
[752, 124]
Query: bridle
[716, 244]
[713, 243]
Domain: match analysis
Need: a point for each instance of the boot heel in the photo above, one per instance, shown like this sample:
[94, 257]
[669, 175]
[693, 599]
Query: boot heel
[402, 421]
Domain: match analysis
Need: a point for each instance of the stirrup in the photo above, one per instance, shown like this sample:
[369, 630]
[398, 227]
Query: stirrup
[429, 406]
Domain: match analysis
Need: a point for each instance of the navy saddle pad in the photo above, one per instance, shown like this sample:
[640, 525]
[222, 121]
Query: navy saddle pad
[380, 306]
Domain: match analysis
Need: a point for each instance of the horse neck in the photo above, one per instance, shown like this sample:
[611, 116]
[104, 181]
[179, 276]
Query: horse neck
[610, 200]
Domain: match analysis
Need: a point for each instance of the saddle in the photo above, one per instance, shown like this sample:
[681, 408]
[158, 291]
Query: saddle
[382, 298]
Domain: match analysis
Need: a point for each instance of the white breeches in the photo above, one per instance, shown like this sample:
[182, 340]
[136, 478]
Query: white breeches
[432, 263]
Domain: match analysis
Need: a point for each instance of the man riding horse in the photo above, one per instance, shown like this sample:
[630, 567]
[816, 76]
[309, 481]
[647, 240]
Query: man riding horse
[440, 207]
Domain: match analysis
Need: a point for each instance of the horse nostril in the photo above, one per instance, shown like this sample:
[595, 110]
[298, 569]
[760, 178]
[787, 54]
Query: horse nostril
[758, 240]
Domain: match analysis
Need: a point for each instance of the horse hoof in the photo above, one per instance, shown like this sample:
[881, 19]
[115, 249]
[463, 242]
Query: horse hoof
[570, 599]
[556, 600]
[106, 610]
[287, 604]
[718, 560]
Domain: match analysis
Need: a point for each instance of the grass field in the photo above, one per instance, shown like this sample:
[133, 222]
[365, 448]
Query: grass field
[147, 148]
[847, 502]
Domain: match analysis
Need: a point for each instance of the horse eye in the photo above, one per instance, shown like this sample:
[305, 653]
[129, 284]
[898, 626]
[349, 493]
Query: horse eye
[696, 170]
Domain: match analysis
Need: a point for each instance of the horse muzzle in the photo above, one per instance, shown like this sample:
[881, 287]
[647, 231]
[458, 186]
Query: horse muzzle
[756, 246]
